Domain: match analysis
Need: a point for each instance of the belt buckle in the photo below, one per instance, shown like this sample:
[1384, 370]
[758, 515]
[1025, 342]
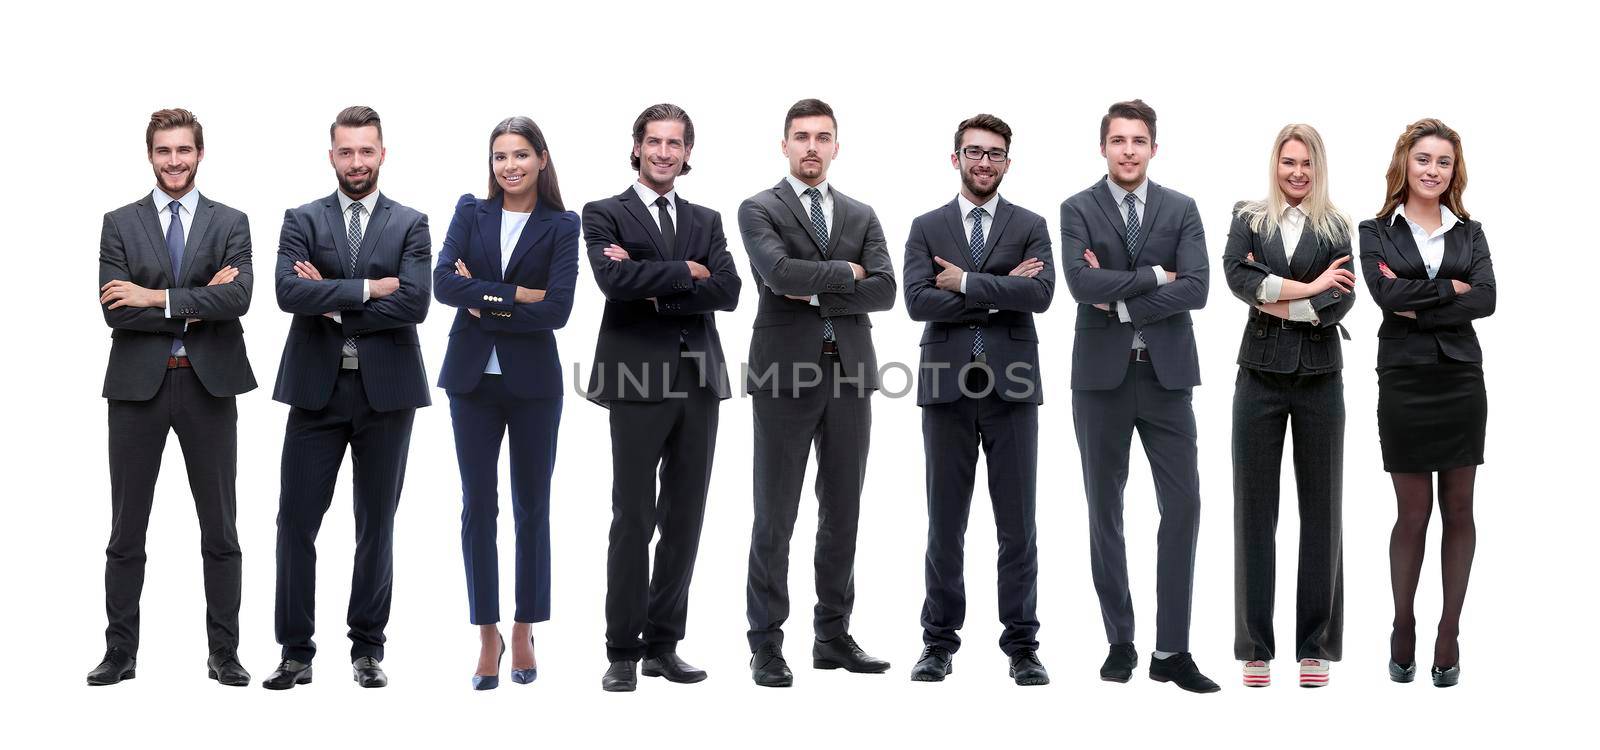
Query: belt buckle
[1141, 355]
[349, 363]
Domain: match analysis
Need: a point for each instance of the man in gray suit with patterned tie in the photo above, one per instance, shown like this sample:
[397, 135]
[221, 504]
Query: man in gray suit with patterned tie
[1134, 255]
[174, 280]
[823, 265]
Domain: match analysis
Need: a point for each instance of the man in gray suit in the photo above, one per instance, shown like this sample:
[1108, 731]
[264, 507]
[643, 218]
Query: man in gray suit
[977, 269]
[174, 280]
[1135, 261]
[822, 264]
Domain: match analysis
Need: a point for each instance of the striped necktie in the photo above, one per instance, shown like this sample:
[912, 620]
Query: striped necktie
[819, 227]
[975, 248]
[353, 234]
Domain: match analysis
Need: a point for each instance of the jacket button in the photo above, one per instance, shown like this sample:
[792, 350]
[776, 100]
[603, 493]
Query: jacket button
[1335, 295]
[683, 331]
[973, 326]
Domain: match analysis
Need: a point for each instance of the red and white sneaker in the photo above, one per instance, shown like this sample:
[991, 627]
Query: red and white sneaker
[1257, 674]
[1313, 673]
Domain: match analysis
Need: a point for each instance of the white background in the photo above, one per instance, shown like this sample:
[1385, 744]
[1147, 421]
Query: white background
[80, 82]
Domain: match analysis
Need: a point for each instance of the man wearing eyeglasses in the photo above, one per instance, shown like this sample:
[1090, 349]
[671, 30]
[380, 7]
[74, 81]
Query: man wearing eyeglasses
[977, 269]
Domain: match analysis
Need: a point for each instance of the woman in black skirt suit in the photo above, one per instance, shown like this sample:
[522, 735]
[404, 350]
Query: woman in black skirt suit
[1427, 266]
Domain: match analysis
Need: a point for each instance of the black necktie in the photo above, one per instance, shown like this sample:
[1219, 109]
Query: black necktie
[669, 234]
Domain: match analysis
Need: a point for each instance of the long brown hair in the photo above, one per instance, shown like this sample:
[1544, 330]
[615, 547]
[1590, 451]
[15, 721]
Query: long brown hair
[1400, 188]
[546, 188]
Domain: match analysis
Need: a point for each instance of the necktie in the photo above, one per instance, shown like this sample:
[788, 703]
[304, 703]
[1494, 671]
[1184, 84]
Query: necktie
[669, 233]
[819, 226]
[353, 234]
[975, 247]
[1131, 203]
[175, 250]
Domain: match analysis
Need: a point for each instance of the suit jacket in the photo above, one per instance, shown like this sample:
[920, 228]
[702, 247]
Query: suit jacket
[133, 248]
[521, 335]
[643, 338]
[395, 244]
[996, 303]
[1172, 237]
[785, 258]
[1272, 344]
[1444, 319]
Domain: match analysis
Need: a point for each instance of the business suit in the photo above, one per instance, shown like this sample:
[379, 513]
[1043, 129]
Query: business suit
[667, 422]
[148, 393]
[802, 395]
[522, 400]
[1113, 396]
[1000, 411]
[368, 408]
[1289, 377]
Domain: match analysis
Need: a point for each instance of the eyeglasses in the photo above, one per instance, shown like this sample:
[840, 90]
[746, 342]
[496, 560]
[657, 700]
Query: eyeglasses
[976, 154]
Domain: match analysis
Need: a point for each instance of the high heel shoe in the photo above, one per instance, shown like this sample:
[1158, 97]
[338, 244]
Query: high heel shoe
[525, 676]
[1405, 673]
[1446, 677]
[490, 681]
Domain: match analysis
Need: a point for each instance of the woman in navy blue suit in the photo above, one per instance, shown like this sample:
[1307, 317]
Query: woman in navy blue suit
[509, 265]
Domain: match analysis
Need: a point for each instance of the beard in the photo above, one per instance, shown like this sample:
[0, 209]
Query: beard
[188, 182]
[358, 188]
[972, 185]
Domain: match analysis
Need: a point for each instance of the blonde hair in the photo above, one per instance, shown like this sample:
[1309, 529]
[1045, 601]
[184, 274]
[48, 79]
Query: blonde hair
[1322, 217]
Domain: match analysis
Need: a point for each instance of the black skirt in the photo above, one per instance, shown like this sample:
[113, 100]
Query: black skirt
[1431, 417]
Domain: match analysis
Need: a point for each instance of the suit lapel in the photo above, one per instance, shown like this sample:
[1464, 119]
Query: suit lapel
[841, 207]
[538, 224]
[1154, 199]
[1102, 198]
[1306, 253]
[787, 197]
[1456, 252]
[1400, 235]
[336, 226]
[641, 213]
[683, 230]
[956, 223]
[1273, 254]
[203, 209]
[1002, 217]
[146, 208]
[369, 238]
[489, 235]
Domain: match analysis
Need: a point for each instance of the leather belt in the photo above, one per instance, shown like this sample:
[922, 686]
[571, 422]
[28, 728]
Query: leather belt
[174, 363]
[830, 347]
[1139, 355]
[349, 363]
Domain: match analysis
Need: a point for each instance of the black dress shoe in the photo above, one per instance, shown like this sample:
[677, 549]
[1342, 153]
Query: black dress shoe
[668, 665]
[288, 674]
[1446, 677]
[843, 653]
[1119, 663]
[224, 667]
[768, 667]
[116, 666]
[1180, 669]
[1026, 668]
[620, 678]
[1406, 673]
[367, 673]
[935, 664]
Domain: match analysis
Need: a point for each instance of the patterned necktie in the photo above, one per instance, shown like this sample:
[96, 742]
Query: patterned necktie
[1133, 243]
[175, 250]
[975, 247]
[669, 233]
[353, 234]
[819, 227]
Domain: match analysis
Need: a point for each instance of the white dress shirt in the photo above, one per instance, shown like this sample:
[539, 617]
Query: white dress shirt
[1430, 245]
[800, 189]
[649, 197]
[186, 206]
[1117, 196]
[511, 226]
[1291, 225]
[966, 207]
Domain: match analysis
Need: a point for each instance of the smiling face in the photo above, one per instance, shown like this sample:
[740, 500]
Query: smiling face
[811, 147]
[980, 177]
[356, 155]
[175, 159]
[661, 154]
[1429, 167]
[1128, 150]
[1294, 171]
[516, 166]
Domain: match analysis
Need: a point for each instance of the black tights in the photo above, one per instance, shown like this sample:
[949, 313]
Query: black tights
[1407, 545]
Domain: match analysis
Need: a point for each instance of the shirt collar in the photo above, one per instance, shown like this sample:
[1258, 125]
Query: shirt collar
[367, 203]
[1117, 192]
[189, 201]
[649, 196]
[967, 206]
[1447, 218]
[1298, 212]
[800, 188]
